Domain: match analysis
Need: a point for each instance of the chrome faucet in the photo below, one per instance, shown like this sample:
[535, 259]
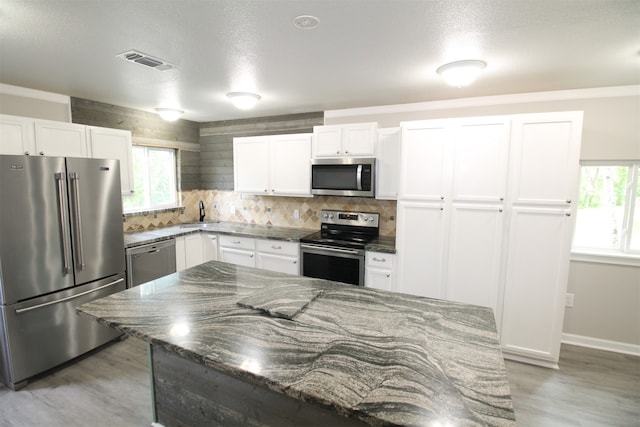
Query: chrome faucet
[202, 212]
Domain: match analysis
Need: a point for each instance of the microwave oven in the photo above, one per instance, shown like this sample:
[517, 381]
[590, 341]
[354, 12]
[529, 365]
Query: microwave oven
[351, 176]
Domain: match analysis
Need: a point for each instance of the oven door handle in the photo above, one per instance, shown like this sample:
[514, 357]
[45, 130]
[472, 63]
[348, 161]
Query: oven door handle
[331, 249]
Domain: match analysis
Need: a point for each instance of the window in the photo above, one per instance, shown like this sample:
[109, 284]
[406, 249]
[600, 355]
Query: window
[608, 218]
[154, 174]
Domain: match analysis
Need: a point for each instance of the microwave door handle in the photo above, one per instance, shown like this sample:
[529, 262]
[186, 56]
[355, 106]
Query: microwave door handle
[359, 177]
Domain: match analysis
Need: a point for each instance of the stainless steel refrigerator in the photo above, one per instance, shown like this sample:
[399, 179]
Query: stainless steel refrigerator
[61, 245]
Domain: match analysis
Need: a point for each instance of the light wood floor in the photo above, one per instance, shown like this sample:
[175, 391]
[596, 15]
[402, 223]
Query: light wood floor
[111, 388]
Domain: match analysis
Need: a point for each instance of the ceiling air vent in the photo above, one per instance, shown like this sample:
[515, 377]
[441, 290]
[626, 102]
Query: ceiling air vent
[146, 60]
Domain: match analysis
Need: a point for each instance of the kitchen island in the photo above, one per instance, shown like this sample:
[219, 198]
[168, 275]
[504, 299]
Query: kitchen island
[231, 345]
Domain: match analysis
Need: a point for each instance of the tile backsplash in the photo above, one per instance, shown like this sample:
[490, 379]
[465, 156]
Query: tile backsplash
[264, 210]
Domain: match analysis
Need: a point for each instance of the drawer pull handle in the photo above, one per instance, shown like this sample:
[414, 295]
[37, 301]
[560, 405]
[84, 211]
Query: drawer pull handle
[237, 242]
[379, 259]
[276, 247]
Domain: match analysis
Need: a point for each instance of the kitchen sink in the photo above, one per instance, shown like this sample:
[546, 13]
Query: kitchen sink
[198, 224]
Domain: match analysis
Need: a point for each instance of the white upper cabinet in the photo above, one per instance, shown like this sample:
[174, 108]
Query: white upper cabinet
[24, 135]
[424, 153]
[290, 165]
[278, 165]
[480, 159]
[105, 143]
[351, 140]
[387, 163]
[251, 165]
[545, 159]
[60, 139]
[16, 135]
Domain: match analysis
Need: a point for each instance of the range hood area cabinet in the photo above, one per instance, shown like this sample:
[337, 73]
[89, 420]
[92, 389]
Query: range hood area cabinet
[349, 140]
[485, 216]
[275, 165]
[28, 136]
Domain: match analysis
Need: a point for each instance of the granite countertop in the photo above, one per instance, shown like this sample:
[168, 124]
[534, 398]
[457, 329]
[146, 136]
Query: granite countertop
[137, 238]
[385, 358]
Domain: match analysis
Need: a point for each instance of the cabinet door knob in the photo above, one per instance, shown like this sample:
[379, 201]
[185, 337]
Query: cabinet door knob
[26, 153]
[500, 210]
[441, 197]
[501, 199]
[388, 275]
[337, 152]
[569, 201]
[568, 213]
[42, 153]
[265, 190]
[295, 262]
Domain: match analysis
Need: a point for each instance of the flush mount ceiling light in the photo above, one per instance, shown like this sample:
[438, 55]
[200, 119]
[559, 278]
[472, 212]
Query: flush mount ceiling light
[244, 100]
[306, 22]
[169, 114]
[461, 73]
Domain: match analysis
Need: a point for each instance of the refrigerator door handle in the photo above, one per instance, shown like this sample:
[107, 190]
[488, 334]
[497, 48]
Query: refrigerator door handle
[34, 307]
[77, 224]
[66, 250]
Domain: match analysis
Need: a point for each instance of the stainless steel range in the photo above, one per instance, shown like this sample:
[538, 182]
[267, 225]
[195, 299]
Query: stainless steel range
[336, 252]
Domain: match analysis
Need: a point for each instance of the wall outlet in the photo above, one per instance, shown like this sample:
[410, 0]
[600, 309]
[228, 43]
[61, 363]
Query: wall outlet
[296, 214]
[568, 300]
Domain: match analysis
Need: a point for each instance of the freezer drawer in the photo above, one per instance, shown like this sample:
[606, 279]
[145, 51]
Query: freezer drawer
[41, 333]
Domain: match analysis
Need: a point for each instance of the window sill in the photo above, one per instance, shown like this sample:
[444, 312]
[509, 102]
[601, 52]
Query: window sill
[606, 258]
[153, 211]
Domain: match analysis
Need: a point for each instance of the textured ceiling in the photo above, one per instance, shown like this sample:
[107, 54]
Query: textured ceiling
[363, 53]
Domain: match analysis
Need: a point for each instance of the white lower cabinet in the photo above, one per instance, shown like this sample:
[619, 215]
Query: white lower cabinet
[420, 238]
[189, 251]
[238, 250]
[180, 253]
[474, 255]
[535, 283]
[378, 270]
[209, 247]
[276, 255]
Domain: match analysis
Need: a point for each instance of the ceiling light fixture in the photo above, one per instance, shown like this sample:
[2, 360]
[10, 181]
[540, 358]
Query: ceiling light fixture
[461, 73]
[169, 114]
[244, 100]
[306, 22]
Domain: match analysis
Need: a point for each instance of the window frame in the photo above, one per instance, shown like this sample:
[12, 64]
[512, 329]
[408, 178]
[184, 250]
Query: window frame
[175, 182]
[624, 255]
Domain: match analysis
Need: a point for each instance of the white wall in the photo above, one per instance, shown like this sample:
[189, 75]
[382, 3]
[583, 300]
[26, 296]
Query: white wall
[18, 101]
[607, 296]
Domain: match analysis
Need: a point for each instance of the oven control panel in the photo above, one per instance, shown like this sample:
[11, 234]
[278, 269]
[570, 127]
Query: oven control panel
[357, 219]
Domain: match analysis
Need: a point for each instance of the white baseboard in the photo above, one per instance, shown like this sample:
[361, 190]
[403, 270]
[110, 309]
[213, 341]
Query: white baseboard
[600, 344]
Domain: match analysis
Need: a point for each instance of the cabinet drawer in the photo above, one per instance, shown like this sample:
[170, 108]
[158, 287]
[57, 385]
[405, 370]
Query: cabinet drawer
[248, 243]
[380, 260]
[278, 247]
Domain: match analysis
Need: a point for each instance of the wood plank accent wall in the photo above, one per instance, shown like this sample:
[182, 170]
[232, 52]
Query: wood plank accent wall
[216, 142]
[148, 129]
